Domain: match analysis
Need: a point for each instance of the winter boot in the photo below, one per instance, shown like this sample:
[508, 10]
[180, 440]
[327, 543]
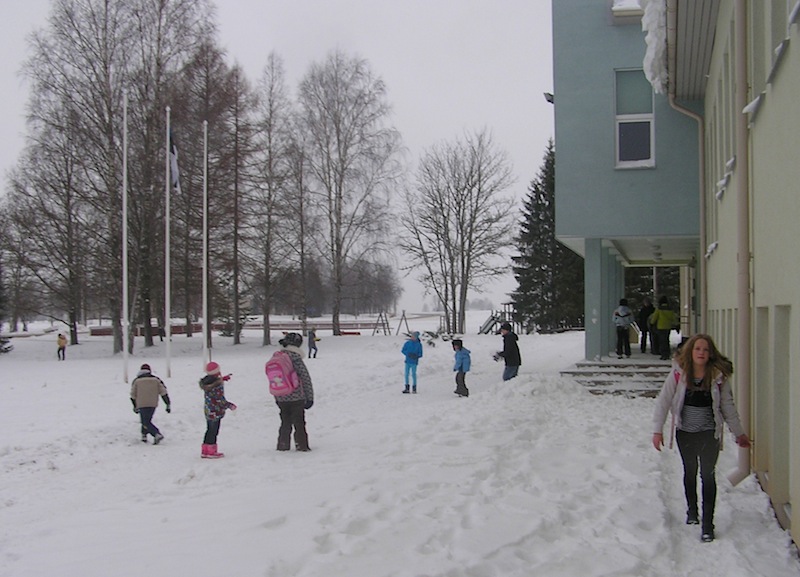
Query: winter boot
[707, 535]
[213, 453]
[406, 390]
[204, 452]
[158, 439]
[414, 389]
[144, 437]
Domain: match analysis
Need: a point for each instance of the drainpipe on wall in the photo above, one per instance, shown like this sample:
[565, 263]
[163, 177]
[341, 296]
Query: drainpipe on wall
[672, 17]
[742, 237]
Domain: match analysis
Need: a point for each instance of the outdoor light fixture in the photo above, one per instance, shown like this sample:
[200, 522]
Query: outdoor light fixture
[549, 97]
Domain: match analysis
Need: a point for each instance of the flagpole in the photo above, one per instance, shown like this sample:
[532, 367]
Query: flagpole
[125, 322]
[167, 266]
[206, 322]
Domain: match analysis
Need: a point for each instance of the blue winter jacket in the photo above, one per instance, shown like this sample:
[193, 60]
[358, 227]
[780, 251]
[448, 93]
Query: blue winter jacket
[462, 360]
[413, 351]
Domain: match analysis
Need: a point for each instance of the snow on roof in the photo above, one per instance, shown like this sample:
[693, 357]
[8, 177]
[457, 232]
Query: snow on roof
[654, 25]
[626, 4]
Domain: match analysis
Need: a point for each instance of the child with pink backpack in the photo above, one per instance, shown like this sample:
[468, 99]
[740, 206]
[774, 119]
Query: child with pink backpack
[290, 384]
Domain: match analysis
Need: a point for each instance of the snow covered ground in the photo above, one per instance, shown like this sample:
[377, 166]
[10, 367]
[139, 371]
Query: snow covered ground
[533, 477]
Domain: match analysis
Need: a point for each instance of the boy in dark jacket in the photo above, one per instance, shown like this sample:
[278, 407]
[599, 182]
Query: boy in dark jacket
[510, 353]
[145, 390]
[294, 405]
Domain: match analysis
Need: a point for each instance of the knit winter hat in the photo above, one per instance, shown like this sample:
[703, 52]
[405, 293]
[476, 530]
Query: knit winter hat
[145, 367]
[291, 340]
[212, 368]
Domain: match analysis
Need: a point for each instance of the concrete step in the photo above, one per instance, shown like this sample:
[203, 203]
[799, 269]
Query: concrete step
[641, 377]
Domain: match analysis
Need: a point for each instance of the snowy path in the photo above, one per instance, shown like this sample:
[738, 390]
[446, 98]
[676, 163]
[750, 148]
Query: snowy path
[535, 477]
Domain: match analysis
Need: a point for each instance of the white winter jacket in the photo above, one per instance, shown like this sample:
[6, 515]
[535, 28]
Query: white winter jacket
[671, 399]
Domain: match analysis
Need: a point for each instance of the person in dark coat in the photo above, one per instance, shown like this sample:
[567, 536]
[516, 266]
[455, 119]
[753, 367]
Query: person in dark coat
[644, 325]
[510, 353]
[312, 343]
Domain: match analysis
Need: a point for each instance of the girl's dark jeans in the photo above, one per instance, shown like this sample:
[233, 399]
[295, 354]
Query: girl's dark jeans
[699, 450]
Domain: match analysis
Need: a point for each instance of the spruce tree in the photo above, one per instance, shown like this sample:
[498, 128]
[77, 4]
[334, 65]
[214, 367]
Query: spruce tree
[549, 294]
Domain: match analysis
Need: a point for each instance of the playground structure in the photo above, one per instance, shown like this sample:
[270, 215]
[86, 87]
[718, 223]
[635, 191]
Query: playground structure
[497, 318]
[382, 324]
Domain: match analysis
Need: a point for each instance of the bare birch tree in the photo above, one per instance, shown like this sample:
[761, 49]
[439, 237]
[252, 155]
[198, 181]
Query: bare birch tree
[46, 209]
[351, 157]
[89, 53]
[272, 173]
[458, 224]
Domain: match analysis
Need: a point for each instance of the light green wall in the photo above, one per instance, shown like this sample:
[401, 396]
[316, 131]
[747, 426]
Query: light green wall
[775, 214]
[774, 204]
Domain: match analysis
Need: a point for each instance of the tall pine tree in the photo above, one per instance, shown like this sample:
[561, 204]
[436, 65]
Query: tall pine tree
[549, 293]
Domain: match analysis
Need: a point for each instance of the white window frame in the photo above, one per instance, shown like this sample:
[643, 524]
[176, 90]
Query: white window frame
[629, 118]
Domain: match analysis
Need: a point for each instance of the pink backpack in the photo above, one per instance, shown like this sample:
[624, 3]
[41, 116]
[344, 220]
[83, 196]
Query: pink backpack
[283, 379]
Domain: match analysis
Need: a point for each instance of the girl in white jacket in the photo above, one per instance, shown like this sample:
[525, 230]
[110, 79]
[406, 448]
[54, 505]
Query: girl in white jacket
[698, 393]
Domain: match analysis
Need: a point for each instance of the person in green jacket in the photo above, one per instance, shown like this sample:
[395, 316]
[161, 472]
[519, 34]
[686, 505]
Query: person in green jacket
[663, 319]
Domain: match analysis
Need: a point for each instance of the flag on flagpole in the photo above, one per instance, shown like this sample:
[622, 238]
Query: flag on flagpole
[173, 160]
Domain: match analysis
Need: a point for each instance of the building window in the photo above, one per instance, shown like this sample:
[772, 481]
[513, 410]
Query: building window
[635, 137]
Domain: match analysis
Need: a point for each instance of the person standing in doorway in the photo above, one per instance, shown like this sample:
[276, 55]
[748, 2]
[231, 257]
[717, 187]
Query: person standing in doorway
[644, 325]
[623, 319]
[664, 320]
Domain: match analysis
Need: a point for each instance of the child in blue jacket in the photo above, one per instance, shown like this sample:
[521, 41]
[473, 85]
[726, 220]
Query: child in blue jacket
[412, 349]
[461, 367]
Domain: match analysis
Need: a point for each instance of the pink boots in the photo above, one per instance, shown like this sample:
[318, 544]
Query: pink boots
[210, 452]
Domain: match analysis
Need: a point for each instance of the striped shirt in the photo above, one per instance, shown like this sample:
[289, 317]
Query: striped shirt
[697, 413]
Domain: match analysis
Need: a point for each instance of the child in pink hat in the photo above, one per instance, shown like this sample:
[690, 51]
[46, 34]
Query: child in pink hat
[214, 407]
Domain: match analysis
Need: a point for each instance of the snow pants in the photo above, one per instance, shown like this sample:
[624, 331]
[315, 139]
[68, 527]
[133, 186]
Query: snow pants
[293, 416]
[461, 384]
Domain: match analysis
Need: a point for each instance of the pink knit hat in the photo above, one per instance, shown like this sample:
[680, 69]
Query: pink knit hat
[212, 368]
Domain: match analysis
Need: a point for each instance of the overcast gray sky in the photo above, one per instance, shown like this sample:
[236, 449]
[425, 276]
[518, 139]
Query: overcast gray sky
[449, 65]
